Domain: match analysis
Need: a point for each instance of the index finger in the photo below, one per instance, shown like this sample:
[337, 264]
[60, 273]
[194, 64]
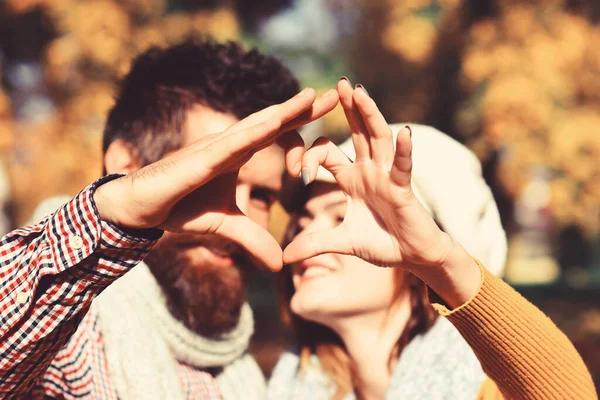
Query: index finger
[355, 122]
[321, 106]
[291, 141]
[283, 112]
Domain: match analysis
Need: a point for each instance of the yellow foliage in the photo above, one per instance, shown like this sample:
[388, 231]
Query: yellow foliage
[95, 44]
[538, 68]
[101, 28]
[412, 38]
[6, 125]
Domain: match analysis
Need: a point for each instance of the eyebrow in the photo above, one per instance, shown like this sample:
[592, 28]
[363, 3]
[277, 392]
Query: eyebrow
[337, 203]
[306, 212]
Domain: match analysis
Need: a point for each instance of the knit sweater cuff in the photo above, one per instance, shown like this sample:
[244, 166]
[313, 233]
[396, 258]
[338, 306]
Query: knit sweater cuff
[518, 346]
[439, 305]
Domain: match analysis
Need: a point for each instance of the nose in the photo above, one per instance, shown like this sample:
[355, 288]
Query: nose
[242, 197]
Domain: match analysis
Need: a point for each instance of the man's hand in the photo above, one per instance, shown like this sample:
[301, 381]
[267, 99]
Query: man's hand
[193, 189]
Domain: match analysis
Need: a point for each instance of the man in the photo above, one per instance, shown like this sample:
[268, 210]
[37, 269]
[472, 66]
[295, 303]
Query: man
[178, 327]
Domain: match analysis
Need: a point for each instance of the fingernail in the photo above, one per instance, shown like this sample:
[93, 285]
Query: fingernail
[409, 131]
[359, 86]
[305, 176]
[343, 78]
[303, 92]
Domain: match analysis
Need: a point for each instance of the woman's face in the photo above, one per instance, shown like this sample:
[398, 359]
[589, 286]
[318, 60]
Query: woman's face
[333, 286]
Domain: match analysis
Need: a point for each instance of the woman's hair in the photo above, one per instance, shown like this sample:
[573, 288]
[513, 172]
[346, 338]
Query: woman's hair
[314, 338]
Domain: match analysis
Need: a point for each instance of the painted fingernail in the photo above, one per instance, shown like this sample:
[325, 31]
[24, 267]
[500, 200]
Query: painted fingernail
[305, 176]
[359, 86]
[343, 78]
[409, 131]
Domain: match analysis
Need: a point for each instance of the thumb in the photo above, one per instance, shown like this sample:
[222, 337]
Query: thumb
[402, 166]
[312, 244]
[257, 241]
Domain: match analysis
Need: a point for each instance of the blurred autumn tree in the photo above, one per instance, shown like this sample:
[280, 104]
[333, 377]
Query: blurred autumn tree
[62, 59]
[517, 81]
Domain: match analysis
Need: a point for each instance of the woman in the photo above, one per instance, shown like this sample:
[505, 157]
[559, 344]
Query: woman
[366, 331]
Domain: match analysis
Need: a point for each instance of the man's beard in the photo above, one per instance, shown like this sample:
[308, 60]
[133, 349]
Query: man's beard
[207, 299]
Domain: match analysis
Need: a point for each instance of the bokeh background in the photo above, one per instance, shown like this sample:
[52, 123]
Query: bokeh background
[516, 81]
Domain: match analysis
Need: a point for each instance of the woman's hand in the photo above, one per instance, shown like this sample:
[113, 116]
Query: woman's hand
[385, 223]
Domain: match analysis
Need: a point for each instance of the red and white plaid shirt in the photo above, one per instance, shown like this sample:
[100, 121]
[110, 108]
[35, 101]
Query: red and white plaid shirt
[50, 343]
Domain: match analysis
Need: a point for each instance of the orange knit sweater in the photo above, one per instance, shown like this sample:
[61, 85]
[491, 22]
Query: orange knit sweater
[520, 349]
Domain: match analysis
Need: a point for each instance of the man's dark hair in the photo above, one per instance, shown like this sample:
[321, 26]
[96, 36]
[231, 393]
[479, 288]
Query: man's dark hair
[163, 84]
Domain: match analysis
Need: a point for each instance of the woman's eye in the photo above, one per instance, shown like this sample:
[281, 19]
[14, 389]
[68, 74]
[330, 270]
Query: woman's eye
[263, 196]
[298, 230]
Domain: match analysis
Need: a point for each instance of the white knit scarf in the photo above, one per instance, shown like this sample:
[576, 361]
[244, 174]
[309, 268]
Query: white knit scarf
[144, 343]
[435, 365]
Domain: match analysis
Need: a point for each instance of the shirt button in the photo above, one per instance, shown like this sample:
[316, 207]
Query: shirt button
[22, 297]
[76, 242]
